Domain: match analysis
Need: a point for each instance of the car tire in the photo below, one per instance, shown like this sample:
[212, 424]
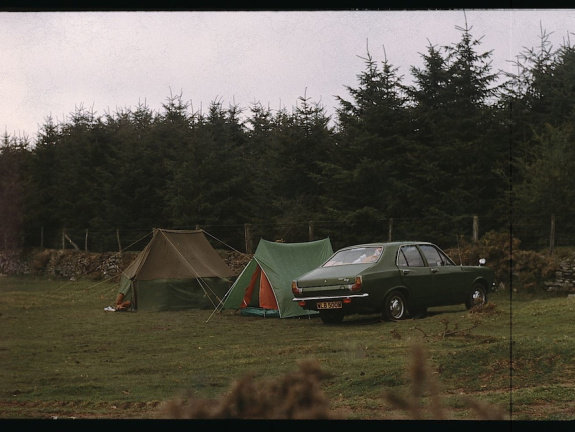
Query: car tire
[331, 316]
[394, 308]
[477, 296]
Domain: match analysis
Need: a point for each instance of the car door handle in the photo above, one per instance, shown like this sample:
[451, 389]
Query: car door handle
[405, 272]
[434, 270]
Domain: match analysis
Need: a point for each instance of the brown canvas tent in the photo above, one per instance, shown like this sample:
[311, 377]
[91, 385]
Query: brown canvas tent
[176, 270]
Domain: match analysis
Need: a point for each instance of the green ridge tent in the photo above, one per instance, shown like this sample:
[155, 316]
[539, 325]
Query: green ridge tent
[264, 286]
[176, 270]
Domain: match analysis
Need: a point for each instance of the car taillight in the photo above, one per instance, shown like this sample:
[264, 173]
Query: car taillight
[357, 285]
[294, 288]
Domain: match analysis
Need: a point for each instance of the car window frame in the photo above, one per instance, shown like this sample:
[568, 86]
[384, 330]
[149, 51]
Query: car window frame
[444, 258]
[407, 262]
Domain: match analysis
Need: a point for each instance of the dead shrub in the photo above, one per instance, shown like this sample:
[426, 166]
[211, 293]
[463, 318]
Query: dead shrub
[296, 395]
[523, 270]
[40, 261]
[488, 308]
[424, 384]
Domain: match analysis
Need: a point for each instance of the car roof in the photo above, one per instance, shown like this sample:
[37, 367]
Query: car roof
[387, 244]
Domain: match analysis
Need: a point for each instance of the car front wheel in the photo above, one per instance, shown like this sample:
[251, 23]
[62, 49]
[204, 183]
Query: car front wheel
[477, 296]
[394, 308]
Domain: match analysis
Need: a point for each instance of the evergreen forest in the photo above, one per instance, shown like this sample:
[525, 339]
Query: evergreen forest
[460, 140]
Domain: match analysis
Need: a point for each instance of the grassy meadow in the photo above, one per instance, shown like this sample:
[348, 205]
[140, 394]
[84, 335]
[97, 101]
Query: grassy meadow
[64, 356]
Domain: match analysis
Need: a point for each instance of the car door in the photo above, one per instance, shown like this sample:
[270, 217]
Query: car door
[449, 282]
[415, 275]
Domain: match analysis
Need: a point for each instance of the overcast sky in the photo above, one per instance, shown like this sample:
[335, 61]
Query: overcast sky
[53, 62]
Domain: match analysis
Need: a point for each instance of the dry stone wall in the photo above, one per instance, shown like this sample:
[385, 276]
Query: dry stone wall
[564, 276]
[72, 264]
[64, 264]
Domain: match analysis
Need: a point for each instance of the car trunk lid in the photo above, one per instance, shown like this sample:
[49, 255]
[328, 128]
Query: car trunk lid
[331, 277]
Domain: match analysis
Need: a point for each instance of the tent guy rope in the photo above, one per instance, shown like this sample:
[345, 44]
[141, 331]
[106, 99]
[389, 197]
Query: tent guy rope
[88, 271]
[203, 285]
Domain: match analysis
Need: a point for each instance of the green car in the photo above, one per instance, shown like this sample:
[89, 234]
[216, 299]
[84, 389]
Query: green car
[396, 279]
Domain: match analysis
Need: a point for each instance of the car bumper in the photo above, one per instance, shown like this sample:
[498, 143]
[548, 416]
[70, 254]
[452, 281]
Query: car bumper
[330, 298]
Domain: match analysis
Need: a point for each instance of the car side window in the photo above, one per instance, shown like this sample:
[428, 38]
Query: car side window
[435, 257]
[431, 255]
[409, 256]
[446, 260]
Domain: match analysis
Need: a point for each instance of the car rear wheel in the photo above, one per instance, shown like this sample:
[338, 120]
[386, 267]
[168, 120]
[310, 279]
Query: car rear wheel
[477, 296]
[394, 307]
[331, 316]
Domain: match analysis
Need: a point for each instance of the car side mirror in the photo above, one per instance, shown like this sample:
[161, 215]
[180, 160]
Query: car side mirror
[482, 262]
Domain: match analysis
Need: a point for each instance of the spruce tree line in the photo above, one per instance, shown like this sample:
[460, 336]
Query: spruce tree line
[459, 140]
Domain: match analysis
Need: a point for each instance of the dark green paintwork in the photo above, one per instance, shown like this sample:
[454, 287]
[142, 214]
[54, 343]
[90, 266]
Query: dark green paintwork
[424, 286]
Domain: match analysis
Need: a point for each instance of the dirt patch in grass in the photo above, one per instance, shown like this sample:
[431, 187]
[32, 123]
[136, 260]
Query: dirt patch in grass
[74, 410]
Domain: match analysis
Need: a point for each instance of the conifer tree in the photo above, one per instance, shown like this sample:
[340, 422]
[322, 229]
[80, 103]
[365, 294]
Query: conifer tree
[78, 154]
[298, 143]
[40, 202]
[260, 128]
[541, 100]
[14, 154]
[208, 180]
[461, 142]
[366, 177]
[125, 183]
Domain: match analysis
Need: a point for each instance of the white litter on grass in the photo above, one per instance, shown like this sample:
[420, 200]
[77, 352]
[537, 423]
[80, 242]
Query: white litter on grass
[110, 309]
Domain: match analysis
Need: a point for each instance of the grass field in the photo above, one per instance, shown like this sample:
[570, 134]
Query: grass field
[63, 356]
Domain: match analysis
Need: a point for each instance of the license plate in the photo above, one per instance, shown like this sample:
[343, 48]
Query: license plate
[329, 305]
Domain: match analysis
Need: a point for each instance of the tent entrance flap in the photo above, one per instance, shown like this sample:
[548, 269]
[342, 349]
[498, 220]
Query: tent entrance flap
[259, 293]
[267, 297]
[249, 298]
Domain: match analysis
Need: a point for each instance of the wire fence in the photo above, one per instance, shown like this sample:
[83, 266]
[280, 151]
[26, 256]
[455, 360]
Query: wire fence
[544, 231]
[537, 232]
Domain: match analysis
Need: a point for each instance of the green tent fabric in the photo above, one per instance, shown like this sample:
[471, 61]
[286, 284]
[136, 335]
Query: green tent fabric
[178, 269]
[264, 286]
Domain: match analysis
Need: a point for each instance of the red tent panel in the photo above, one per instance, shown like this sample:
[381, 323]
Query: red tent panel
[267, 298]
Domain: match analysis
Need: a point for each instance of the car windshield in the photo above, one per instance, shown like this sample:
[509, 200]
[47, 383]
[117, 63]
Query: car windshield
[360, 255]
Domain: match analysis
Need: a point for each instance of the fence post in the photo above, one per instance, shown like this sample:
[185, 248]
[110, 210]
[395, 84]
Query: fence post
[310, 231]
[552, 235]
[41, 238]
[86, 241]
[118, 238]
[248, 238]
[475, 228]
[390, 229]
[63, 238]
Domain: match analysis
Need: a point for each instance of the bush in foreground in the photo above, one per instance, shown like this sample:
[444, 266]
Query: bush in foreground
[294, 396]
[298, 396]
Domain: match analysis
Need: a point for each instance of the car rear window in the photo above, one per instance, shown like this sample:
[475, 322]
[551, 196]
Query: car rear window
[361, 255]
